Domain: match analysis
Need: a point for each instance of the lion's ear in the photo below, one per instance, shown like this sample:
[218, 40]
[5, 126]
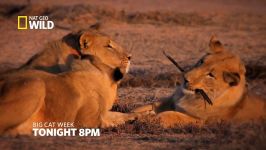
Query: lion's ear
[85, 42]
[215, 45]
[232, 78]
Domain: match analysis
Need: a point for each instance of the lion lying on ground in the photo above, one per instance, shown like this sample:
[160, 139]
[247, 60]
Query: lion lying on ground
[57, 56]
[214, 89]
[84, 95]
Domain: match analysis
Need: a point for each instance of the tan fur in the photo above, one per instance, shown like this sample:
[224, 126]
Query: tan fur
[83, 95]
[221, 75]
[58, 55]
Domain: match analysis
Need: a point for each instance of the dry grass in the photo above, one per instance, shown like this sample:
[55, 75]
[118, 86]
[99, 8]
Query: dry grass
[107, 14]
[61, 12]
[257, 70]
[145, 34]
[144, 78]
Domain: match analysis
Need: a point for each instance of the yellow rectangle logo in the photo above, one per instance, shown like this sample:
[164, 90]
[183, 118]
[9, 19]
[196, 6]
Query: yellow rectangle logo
[22, 26]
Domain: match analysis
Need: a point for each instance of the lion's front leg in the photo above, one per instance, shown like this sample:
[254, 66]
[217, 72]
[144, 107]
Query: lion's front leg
[147, 108]
[157, 107]
[172, 118]
[165, 104]
[112, 119]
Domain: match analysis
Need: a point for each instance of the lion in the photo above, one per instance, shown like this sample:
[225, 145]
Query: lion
[83, 95]
[57, 56]
[214, 89]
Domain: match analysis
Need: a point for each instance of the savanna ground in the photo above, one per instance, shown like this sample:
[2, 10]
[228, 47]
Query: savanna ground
[145, 28]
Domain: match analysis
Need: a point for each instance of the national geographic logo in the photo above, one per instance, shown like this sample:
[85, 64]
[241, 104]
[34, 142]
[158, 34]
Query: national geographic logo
[34, 22]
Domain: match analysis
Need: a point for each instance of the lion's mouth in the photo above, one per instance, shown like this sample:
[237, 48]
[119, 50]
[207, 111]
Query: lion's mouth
[127, 67]
[200, 92]
[117, 74]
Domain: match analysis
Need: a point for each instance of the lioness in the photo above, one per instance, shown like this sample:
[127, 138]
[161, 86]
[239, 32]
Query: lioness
[214, 89]
[84, 95]
[58, 55]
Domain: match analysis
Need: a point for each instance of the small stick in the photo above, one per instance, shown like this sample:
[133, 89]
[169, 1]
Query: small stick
[174, 62]
[204, 95]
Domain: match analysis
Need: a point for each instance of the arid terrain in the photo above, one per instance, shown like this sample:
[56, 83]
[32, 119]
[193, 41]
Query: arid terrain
[145, 28]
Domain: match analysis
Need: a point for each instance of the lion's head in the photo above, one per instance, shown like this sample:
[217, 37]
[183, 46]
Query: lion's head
[99, 45]
[104, 48]
[218, 79]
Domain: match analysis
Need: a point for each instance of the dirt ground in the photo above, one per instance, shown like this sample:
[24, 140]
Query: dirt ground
[145, 28]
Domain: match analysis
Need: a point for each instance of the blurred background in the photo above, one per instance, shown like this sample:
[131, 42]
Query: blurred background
[145, 28]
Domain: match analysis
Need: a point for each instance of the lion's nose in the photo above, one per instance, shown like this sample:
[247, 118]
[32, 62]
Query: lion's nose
[186, 83]
[129, 57]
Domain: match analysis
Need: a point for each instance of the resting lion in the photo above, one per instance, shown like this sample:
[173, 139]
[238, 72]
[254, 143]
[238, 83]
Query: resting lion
[84, 95]
[58, 55]
[214, 89]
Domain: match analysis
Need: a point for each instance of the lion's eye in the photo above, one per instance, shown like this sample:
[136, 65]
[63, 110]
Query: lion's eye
[211, 75]
[109, 46]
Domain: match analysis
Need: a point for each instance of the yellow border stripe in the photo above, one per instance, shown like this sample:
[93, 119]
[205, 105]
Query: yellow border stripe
[26, 22]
